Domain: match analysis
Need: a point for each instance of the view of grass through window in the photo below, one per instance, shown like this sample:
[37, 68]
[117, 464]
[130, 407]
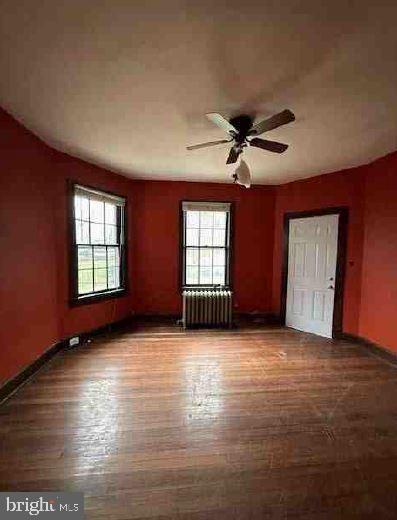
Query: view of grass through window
[205, 247]
[98, 228]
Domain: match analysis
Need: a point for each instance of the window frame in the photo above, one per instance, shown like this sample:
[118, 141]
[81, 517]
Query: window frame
[228, 248]
[76, 299]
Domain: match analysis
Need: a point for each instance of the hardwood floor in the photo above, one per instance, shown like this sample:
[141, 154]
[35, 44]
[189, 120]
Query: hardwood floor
[243, 424]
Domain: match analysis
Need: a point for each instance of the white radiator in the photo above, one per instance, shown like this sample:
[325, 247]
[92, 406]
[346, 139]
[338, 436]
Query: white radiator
[207, 308]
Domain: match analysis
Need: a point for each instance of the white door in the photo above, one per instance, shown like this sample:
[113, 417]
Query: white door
[312, 255]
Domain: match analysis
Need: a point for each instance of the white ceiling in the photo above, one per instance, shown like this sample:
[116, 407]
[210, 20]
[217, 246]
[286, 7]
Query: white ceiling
[126, 84]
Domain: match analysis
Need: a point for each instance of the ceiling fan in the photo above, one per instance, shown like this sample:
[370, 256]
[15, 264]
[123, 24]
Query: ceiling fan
[243, 132]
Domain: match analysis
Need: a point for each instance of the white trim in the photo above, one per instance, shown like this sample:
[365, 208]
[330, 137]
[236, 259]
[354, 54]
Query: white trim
[206, 206]
[83, 191]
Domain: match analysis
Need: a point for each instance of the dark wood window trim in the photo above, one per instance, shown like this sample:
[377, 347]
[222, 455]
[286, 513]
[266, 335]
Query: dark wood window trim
[74, 298]
[230, 241]
[343, 212]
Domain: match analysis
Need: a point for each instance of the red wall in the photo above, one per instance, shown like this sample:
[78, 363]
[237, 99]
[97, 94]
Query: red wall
[86, 317]
[34, 310]
[155, 269]
[370, 193]
[378, 317]
[345, 188]
[28, 297]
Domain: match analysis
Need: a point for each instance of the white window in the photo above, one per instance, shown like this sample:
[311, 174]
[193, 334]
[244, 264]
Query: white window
[98, 243]
[206, 244]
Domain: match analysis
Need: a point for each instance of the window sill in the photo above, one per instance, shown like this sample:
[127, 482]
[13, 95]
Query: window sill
[97, 298]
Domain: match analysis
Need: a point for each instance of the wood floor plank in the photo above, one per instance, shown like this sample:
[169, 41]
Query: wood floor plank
[250, 423]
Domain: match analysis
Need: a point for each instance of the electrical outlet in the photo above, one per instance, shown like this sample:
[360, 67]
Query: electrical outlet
[74, 341]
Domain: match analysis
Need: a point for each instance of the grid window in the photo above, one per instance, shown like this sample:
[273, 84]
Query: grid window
[206, 244]
[98, 243]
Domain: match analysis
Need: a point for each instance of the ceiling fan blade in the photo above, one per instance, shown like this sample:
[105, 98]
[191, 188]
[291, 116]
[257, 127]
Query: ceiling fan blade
[284, 117]
[207, 145]
[271, 146]
[233, 156]
[221, 122]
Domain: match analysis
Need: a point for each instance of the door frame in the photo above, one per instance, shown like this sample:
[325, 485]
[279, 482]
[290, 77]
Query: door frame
[343, 212]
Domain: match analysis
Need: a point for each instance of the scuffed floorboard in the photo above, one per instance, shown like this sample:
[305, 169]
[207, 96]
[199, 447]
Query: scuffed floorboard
[245, 424]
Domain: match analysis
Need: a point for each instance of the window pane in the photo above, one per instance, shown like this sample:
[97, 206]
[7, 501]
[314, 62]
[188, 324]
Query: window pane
[81, 207]
[110, 213]
[219, 219]
[206, 219]
[205, 237]
[192, 256]
[77, 207]
[192, 219]
[205, 275]
[78, 231]
[219, 256]
[206, 257]
[191, 275]
[206, 243]
[84, 257]
[113, 256]
[219, 237]
[99, 257]
[85, 232]
[85, 212]
[97, 234]
[111, 234]
[192, 237]
[82, 232]
[113, 277]
[85, 281]
[219, 275]
[97, 209]
[100, 279]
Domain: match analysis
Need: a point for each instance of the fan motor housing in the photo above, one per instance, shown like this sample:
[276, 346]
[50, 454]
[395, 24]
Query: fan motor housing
[243, 124]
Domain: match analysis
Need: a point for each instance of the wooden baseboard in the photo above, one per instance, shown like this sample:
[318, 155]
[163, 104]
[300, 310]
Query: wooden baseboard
[374, 348]
[264, 318]
[254, 317]
[114, 326]
[15, 383]
[157, 318]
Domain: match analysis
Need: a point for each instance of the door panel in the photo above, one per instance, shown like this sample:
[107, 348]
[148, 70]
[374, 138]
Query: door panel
[298, 302]
[312, 256]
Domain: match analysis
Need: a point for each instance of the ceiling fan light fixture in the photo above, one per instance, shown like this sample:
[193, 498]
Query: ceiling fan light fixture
[242, 175]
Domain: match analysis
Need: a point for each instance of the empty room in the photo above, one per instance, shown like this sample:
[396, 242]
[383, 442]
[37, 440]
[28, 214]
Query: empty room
[198, 262]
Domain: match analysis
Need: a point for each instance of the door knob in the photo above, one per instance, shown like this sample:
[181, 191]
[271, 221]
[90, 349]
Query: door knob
[331, 287]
